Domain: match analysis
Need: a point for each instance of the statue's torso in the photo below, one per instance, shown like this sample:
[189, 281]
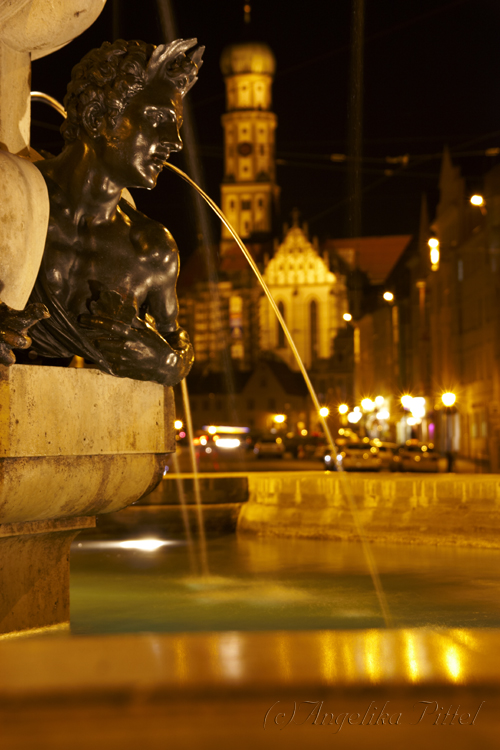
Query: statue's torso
[131, 254]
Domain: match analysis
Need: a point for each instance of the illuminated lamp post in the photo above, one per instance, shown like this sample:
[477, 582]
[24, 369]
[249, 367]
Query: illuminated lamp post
[448, 399]
[434, 253]
[479, 202]
[343, 411]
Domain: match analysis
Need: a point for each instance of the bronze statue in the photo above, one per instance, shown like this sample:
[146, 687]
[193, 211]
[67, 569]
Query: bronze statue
[108, 273]
[14, 326]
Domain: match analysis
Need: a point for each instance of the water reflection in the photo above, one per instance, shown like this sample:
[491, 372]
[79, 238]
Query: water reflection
[280, 584]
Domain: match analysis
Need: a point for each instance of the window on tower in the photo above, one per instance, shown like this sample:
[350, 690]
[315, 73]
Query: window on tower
[246, 205]
[262, 149]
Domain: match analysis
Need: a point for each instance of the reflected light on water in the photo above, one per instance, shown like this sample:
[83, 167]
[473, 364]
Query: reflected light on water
[411, 657]
[452, 661]
[144, 545]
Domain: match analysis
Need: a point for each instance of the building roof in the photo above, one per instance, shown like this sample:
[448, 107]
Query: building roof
[376, 256]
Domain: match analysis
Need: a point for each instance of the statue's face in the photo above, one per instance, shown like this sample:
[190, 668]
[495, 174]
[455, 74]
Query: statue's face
[135, 149]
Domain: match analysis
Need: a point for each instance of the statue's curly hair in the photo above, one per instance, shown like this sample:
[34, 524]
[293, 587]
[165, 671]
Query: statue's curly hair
[107, 78]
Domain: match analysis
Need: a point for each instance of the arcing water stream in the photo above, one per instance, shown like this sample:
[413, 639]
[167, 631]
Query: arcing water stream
[348, 493]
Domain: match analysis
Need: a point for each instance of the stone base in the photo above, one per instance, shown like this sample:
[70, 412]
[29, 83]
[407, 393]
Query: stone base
[34, 572]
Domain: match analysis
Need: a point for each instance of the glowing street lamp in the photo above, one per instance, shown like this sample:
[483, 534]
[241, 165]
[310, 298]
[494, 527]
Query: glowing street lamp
[324, 411]
[354, 416]
[477, 200]
[388, 296]
[178, 424]
[406, 401]
[343, 409]
[279, 418]
[434, 252]
[368, 404]
[347, 316]
[448, 398]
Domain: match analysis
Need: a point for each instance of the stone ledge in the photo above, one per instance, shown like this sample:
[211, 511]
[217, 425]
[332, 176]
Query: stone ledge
[35, 489]
[445, 509]
[65, 411]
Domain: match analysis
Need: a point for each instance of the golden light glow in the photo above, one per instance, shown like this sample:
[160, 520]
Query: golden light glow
[303, 432]
[227, 442]
[324, 411]
[279, 418]
[411, 657]
[343, 409]
[178, 424]
[406, 401]
[433, 243]
[212, 430]
[411, 421]
[388, 296]
[145, 545]
[347, 316]
[452, 661]
[477, 200]
[368, 404]
[448, 398]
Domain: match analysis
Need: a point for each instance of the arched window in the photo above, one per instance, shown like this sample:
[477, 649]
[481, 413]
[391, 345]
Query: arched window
[313, 325]
[281, 333]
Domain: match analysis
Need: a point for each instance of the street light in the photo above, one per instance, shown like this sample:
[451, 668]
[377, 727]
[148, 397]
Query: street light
[368, 404]
[178, 424]
[347, 316]
[279, 418]
[477, 200]
[324, 411]
[448, 398]
[343, 409]
[388, 296]
[433, 243]
[406, 401]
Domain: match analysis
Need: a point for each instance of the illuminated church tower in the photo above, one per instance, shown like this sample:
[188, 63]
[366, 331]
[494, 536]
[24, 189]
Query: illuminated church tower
[248, 191]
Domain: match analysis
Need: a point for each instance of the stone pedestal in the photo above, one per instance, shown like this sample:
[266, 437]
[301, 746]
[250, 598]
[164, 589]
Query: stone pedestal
[73, 443]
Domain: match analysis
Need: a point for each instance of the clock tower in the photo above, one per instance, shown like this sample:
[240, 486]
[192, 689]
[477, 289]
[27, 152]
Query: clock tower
[249, 192]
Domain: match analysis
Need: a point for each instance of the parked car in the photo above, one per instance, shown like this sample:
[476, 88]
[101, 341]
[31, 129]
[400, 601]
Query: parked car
[357, 456]
[388, 454]
[269, 447]
[417, 456]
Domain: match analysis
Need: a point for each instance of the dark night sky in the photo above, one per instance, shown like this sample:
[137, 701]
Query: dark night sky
[431, 73]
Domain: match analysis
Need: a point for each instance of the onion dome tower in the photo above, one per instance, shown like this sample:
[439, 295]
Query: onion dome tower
[249, 192]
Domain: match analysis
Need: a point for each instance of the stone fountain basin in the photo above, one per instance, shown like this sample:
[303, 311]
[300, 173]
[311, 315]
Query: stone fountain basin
[73, 443]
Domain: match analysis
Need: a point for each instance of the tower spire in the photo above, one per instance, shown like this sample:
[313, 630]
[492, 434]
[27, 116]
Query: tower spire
[247, 9]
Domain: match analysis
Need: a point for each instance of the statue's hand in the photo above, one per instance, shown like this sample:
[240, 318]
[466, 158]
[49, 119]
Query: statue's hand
[138, 351]
[14, 325]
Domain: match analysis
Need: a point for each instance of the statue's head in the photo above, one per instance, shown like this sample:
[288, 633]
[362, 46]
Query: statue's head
[125, 101]
[106, 79]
